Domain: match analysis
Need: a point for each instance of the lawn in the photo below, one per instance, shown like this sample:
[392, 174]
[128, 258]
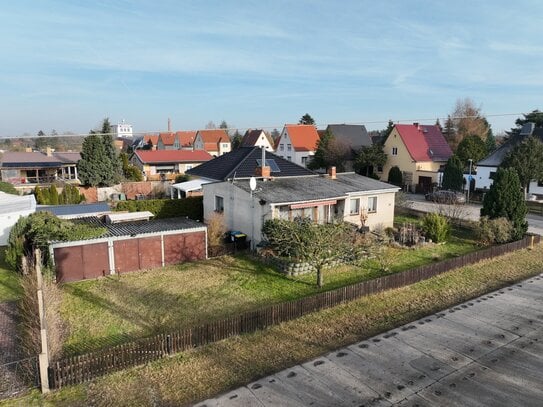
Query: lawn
[112, 310]
[10, 287]
[209, 370]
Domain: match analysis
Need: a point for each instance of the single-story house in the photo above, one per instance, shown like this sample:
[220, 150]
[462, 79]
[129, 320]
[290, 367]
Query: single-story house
[12, 207]
[153, 162]
[348, 196]
[24, 169]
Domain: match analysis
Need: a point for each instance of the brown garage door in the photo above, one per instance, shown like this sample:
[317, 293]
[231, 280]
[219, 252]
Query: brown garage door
[81, 262]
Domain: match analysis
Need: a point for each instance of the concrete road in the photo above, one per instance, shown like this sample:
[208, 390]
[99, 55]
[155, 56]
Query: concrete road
[485, 352]
[468, 211]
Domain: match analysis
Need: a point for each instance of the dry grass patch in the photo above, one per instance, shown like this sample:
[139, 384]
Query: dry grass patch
[216, 368]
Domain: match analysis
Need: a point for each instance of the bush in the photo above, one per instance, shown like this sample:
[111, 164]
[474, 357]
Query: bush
[491, 231]
[395, 176]
[436, 227]
[166, 208]
[37, 230]
[182, 178]
[8, 188]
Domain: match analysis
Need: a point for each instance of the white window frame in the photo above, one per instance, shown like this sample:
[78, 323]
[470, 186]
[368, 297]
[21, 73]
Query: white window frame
[289, 147]
[351, 201]
[372, 204]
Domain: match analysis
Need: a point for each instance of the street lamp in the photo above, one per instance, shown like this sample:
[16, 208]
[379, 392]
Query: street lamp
[469, 177]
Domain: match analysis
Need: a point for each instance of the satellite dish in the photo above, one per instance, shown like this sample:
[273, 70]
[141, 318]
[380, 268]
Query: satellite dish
[252, 183]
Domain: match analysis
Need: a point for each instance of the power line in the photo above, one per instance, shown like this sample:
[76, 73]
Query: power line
[229, 129]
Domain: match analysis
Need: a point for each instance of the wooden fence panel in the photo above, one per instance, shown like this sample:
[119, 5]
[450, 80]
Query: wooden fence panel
[78, 369]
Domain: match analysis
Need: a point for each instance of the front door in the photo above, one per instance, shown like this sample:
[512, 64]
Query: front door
[425, 185]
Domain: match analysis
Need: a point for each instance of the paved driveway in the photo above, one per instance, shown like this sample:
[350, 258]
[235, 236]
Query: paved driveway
[468, 211]
[485, 352]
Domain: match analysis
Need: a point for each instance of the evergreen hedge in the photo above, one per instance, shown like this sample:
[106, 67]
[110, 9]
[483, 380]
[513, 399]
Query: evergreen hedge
[192, 207]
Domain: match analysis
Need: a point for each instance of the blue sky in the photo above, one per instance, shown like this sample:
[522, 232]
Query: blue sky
[67, 64]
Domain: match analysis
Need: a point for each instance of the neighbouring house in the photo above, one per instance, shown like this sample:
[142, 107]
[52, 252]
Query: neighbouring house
[28, 169]
[487, 167]
[244, 162]
[215, 141]
[354, 136]
[122, 130]
[186, 139]
[419, 151]
[129, 244]
[168, 141]
[257, 138]
[297, 143]
[351, 197]
[159, 162]
[12, 207]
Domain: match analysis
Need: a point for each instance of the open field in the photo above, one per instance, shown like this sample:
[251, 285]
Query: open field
[206, 371]
[111, 310]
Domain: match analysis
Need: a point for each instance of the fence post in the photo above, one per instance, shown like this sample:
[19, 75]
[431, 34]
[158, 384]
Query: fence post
[44, 355]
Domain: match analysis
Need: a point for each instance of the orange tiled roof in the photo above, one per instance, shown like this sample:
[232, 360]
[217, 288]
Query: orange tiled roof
[186, 138]
[214, 135]
[172, 156]
[167, 138]
[304, 137]
[150, 137]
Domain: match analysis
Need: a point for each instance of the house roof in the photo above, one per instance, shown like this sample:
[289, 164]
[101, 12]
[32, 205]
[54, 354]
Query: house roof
[315, 187]
[186, 138]
[354, 135]
[304, 137]
[10, 203]
[30, 160]
[150, 137]
[172, 156]
[251, 137]
[75, 210]
[167, 138]
[242, 163]
[192, 185]
[424, 142]
[213, 135]
[67, 157]
[495, 158]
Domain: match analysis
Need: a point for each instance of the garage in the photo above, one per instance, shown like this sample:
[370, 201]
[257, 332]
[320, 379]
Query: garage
[129, 246]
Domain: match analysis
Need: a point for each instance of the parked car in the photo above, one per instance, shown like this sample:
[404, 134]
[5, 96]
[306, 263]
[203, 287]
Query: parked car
[447, 197]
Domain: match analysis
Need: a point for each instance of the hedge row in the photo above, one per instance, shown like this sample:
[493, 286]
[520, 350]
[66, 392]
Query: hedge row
[166, 208]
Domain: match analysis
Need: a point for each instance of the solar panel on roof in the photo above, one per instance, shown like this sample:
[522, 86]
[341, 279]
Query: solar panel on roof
[270, 163]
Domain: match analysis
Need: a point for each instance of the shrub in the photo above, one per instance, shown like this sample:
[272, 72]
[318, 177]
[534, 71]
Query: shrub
[192, 207]
[490, 231]
[395, 176]
[8, 188]
[182, 178]
[70, 195]
[436, 227]
[37, 230]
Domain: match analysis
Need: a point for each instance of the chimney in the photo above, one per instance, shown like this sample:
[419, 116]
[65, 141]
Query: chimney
[332, 172]
[263, 170]
[49, 151]
[169, 125]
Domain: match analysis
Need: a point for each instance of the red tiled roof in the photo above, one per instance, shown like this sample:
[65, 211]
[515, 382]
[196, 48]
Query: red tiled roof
[167, 138]
[150, 137]
[186, 138]
[172, 156]
[424, 142]
[304, 137]
[214, 135]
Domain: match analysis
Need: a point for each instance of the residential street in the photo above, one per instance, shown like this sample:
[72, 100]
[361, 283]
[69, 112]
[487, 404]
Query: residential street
[469, 211]
[485, 352]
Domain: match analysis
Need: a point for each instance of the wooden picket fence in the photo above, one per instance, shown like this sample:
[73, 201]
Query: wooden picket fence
[78, 369]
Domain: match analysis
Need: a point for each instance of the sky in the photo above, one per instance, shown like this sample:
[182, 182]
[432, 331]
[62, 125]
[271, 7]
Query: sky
[65, 65]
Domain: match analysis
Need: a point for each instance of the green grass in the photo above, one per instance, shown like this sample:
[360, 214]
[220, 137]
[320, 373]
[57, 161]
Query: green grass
[10, 286]
[204, 372]
[115, 309]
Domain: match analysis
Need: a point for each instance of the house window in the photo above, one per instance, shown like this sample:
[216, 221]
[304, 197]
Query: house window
[225, 145]
[354, 208]
[304, 161]
[289, 147]
[188, 167]
[540, 183]
[394, 150]
[219, 203]
[372, 204]
[289, 158]
[379, 168]
[281, 147]
[492, 175]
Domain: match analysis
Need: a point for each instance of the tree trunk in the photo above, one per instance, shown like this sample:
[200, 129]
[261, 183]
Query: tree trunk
[319, 277]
